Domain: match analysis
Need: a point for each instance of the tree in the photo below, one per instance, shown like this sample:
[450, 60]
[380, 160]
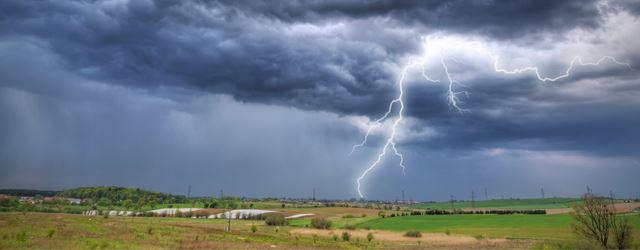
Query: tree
[104, 202]
[127, 204]
[594, 219]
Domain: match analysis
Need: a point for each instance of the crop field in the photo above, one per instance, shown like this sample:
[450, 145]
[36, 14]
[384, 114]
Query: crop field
[546, 227]
[547, 203]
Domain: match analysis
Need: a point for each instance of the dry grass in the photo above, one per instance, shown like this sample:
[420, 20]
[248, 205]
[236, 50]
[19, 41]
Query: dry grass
[430, 240]
[619, 207]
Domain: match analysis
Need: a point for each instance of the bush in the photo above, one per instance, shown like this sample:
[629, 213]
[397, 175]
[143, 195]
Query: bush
[346, 236]
[320, 223]
[413, 233]
[350, 227]
[275, 220]
[369, 237]
[22, 236]
[50, 233]
[254, 228]
[348, 216]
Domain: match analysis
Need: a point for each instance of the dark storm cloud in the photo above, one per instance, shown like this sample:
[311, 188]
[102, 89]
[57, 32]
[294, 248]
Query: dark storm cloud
[270, 52]
[94, 90]
[502, 19]
[523, 113]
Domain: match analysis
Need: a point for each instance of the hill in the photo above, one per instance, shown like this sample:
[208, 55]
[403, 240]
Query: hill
[116, 194]
[28, 192]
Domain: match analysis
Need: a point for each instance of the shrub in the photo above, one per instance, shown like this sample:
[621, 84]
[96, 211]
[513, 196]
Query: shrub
[621, 233]
[350, 227]
[254, 228]
[369, 237]
[335, 237]
[320, 223]
[413, 233]
[275, 220]
[149, 230]
[447, 232]
[479, 237]
[50, 233]
[346, 236]
[348, 216]
[363, 215]
[22, 236]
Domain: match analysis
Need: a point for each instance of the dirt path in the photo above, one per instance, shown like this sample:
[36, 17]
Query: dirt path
[427, 239]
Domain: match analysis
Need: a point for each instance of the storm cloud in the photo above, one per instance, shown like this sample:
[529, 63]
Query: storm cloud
[97, 92]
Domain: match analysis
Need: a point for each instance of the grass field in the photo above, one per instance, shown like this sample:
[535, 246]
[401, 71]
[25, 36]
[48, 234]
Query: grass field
[546, 203]
[64, 231]
[551, 227]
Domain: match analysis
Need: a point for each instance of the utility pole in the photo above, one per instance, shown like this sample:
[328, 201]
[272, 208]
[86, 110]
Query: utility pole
[452, 210]
[403, 196]
[314, 194]
[189, 196]
[542, 192]
[486, 196]
[612, 198]
[473, 201]
[588, 190]
[229, 221]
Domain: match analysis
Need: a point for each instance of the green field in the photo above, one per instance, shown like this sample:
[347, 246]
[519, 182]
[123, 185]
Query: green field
[552, 227]
[545, 203]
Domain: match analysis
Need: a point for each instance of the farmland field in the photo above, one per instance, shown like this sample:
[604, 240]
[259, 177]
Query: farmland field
[551, 227]
[50, 230]
[546, 203]
[65, 231]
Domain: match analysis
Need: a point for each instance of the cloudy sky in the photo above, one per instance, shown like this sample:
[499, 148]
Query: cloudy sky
[266, 98]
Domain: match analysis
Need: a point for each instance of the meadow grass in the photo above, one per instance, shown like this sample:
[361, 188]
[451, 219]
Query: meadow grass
[64, 231]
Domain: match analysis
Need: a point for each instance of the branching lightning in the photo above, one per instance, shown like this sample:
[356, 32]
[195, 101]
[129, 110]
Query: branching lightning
[567, 73]
[451, 96]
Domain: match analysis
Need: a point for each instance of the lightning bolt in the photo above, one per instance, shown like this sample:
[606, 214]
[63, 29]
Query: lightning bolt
[567, 72]
[452, 99]
[391, 139]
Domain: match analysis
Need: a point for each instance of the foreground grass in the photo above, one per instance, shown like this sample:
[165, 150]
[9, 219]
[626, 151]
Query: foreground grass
[545, 227]
[62, 231]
